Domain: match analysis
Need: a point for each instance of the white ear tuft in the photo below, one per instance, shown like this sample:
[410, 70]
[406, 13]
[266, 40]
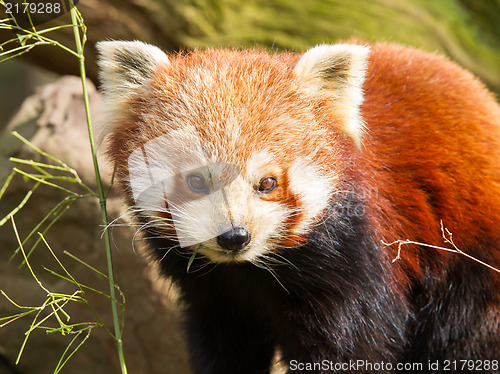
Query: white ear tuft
[124, 68]
[339, 72]
[126, 65]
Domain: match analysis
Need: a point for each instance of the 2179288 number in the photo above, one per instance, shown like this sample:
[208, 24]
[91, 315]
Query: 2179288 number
[33, 8]
[471, 365]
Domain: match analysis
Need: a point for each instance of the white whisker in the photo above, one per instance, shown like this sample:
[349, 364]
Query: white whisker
[262, 265]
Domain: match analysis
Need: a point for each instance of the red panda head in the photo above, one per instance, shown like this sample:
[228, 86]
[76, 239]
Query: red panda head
[232, 153]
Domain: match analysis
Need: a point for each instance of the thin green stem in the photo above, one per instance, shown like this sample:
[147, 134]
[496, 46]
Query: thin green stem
[8, 179]
[102, 197]
[38, 150]
[44, 181]
[56, 212]
[20, 205]
[65, 356]
[41, 164]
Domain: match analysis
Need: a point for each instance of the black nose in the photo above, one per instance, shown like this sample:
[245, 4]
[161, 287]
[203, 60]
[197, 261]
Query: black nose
[234, 239]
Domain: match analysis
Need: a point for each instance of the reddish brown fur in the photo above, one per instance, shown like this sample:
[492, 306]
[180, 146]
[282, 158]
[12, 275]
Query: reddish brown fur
[431, 153]
[418, 132]
[403, 148]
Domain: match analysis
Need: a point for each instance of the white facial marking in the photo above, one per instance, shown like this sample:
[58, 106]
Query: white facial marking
[313, 189]
[258, 164]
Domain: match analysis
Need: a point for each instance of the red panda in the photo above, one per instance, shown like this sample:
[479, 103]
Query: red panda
[268, 185]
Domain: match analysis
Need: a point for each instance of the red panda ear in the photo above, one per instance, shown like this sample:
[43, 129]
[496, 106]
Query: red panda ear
[339, 72]
[125, 66]
[124, 69]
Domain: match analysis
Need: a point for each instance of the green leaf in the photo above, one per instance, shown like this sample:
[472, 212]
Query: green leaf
[193, 256]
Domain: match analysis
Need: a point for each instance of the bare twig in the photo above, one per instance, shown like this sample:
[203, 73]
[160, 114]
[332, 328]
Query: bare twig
[448, 238]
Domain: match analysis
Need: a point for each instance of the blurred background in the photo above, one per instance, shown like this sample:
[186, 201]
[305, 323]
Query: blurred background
[468, 31]
[52, 117]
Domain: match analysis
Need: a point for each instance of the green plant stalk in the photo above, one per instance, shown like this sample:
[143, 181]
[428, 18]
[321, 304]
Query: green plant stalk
[102, 198]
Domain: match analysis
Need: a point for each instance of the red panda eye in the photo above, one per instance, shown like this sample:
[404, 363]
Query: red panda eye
[267, 184]
[197, 183]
